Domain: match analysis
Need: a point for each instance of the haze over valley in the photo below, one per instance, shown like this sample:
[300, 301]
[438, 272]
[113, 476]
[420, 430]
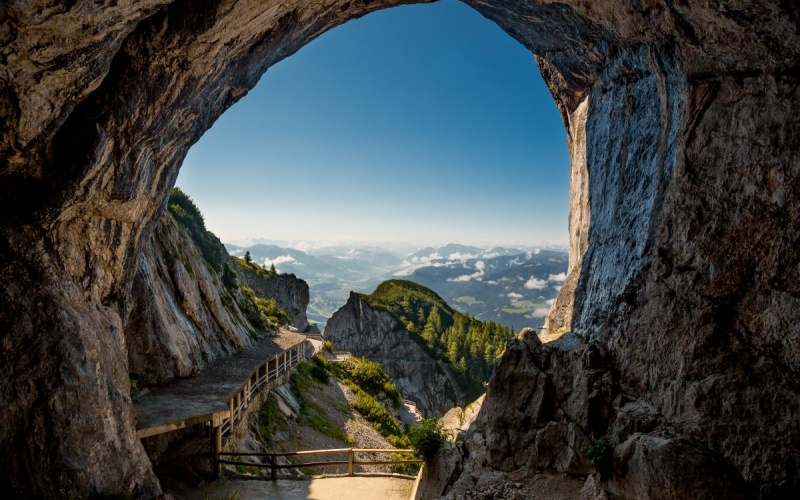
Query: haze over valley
[512, 286]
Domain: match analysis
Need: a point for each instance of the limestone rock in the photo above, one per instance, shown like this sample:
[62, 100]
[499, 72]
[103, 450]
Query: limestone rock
[365, 331]
[684, 265]
[177, 321]
[289, 292]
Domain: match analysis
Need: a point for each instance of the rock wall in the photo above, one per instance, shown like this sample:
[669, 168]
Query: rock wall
[685, 268]
[181, 316]
[289, 292]
[365, 331]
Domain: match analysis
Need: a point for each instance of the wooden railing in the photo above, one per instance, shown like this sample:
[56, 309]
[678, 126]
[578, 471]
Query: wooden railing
[351, 461]
[270, 370]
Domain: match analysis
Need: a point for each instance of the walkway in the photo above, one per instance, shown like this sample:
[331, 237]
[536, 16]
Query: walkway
[221, 391]
[329, 488]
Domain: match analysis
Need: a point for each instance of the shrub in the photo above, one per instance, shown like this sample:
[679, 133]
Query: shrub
[270, 309]
[601, 455]
[319, 373]
[369, 376]
[374, 413]
[426, 438]
[328, 346]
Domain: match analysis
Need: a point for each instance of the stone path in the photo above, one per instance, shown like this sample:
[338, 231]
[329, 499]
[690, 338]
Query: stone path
[196, 398]
[329, 488]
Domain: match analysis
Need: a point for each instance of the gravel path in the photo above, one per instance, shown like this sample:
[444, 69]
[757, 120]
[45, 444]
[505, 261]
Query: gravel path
[208, 391]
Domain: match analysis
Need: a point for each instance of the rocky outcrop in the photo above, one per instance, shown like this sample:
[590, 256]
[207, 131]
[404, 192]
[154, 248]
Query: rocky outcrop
[289, 292]
[181, 315]
[685, 269]
[363, 330]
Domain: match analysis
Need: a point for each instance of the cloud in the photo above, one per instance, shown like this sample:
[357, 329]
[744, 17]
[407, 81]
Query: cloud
[460, 256]
[514, 296]
[283, 259]
[408, 266]
[550, 302]
[557, 278]
[535, 284]
[493, 282]
[479, 266]
[540, 312]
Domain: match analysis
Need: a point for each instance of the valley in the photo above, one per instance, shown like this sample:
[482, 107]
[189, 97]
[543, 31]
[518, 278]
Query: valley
[511, 286]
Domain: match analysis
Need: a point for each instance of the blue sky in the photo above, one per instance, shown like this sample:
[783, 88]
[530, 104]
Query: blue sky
[424, 124]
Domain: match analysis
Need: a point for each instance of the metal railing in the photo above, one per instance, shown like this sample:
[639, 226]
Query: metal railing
[351, 461]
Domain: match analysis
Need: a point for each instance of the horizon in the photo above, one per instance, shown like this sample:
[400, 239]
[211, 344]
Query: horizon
[421, 124]
[310, 246]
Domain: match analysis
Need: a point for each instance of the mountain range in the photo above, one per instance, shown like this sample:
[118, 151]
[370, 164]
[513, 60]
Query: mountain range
[514, 287]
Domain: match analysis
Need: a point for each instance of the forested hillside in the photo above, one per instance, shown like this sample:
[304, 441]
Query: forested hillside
[468, 344]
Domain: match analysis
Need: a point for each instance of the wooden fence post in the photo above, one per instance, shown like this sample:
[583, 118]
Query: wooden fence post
[350, 459]
[217, 424]
[272, 464]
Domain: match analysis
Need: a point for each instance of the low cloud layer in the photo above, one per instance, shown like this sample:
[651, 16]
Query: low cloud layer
[479, 267]
[535, 284]
[557, 278]
[277, 261]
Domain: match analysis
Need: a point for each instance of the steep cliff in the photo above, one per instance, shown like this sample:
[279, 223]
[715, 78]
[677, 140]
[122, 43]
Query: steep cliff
[181, 316]
[374, 333]
[290, 292]
[684, 257]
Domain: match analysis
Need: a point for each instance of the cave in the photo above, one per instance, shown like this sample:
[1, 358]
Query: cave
[684, 237]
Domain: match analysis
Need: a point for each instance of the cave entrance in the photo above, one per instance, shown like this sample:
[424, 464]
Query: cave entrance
[424, 124]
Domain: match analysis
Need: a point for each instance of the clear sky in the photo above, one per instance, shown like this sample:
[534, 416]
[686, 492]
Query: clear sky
[425, 124]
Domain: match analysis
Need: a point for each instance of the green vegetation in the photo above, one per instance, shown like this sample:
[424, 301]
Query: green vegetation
[426, 438]
[270, 309]
[368, 381]
[187, 215]
[369, 376]
[469, 345]
[601, 455]
[264, 306]
[312, 414]
[468, 300]
[521, 307]
[265, 274]
[375, 414]
[184, 211]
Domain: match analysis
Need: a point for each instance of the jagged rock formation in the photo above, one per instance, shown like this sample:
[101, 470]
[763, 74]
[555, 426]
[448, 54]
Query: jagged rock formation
[290, 293]
[685, 269]
[363, 330]
[181, 316]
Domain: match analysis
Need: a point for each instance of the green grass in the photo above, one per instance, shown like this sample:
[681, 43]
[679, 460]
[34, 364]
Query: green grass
[469, 300]
[369, 376]
[522, 307]
[312, 414]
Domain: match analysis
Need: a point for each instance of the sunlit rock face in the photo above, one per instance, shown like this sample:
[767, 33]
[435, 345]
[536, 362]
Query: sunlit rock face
[362, 330]
[685, 253]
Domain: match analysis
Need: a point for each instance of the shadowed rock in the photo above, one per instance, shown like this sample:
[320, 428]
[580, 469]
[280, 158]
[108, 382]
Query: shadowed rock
[684, 238]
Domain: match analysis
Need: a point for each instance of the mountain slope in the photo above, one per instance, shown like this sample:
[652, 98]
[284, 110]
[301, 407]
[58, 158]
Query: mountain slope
[436, 355]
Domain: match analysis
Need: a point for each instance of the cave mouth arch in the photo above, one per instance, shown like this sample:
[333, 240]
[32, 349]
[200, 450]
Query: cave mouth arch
[101, 103]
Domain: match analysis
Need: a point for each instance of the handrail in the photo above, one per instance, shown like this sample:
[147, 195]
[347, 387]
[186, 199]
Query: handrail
[351, 462]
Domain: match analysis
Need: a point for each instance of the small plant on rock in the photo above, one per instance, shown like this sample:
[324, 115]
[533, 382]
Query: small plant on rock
[426, 437]
[601, 455]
